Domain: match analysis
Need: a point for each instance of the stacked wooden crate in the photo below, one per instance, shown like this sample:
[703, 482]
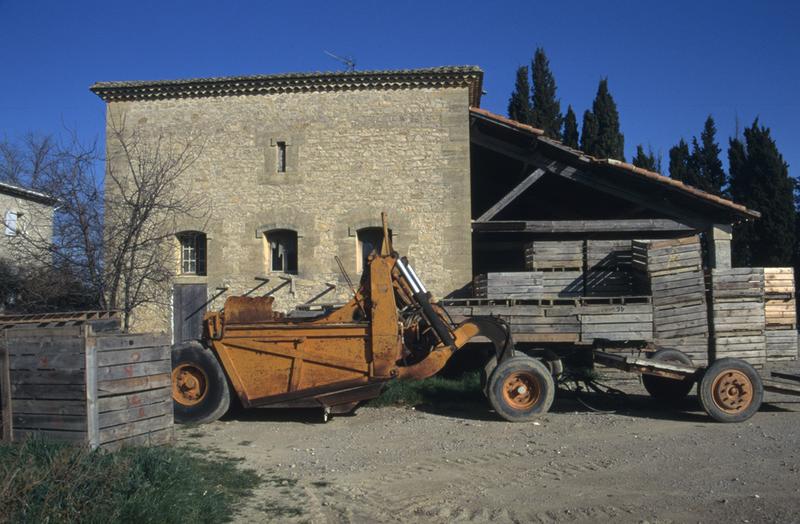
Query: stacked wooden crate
[528, 323]
[780, 311]
[617, 322]
[550, 255]
[519, 285]
[104, 389]
[608, 268]
[738, 320]
[671, 271]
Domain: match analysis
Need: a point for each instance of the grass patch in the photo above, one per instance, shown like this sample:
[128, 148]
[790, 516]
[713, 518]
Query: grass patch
[42, 481]
[434, 390]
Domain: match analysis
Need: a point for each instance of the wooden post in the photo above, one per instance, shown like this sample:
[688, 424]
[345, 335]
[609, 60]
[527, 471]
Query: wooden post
[92, 416]
[5, 394]
[719, 246]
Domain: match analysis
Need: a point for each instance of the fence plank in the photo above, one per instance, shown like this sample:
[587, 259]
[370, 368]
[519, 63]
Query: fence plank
[5, 396]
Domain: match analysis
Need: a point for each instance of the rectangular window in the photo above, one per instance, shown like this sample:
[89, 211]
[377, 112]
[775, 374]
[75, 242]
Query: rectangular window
[193, 253]
[281, 157]
[11, 224]
[283, 251]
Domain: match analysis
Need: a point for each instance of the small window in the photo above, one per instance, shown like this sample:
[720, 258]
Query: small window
[281, 157]
[11, 223]
[369, 239]
[282, 251]
[193, 253]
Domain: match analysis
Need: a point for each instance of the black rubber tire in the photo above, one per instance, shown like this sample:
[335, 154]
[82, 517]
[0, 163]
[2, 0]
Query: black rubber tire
[666, 389]
[217, 398]
[706, 393]
[540, 378]
[486, 372]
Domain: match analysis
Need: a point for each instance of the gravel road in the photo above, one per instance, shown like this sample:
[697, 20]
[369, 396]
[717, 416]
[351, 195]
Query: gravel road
[641, 463]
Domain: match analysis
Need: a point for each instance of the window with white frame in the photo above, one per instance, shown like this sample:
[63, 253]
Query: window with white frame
[193, 253]
[11, 223]
[281, 248]
[370, 240]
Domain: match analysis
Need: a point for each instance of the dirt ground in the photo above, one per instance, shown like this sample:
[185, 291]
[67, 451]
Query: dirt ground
[642, 463]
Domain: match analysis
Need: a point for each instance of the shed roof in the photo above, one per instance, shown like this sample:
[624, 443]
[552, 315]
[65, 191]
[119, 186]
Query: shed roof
[581, 158]
[27, 194]
[446, 76]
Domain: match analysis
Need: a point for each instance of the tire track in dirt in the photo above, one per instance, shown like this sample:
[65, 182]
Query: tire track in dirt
[420, 490]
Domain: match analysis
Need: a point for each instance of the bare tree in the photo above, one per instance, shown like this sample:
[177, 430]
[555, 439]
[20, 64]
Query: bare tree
[146, 192]
[112, 243]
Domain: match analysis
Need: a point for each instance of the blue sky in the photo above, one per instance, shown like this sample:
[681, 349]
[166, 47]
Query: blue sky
[669, 64]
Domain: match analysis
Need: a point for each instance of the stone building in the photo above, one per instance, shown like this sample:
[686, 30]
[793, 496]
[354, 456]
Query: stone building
[298, 168]
[24, 212]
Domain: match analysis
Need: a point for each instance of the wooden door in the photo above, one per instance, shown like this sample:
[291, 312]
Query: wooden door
[188, 308]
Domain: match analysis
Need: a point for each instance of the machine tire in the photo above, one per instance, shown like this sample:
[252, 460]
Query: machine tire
[520, 389]
[668, 389]
[731, 390]
[200, 392]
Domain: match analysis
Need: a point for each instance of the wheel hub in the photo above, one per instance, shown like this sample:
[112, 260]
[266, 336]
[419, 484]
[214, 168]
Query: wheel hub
[732, 391]
[189, 384]
[521, 390]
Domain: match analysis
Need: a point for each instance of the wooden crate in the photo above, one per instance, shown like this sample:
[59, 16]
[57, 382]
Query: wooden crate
[608, 283]
[681, 321]
[682, 288]
[554, 255]
[104, 389]
[5, 397]
[696, 346]
[782, 345]
[738, 284]
[533, 323]
[656, 257]
[780, 313]
[779, 281]
[608, 254]
[623, 322]
[750, 348]
[523, 284]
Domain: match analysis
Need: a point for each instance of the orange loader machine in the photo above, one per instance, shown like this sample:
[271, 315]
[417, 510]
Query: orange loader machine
[391, 329]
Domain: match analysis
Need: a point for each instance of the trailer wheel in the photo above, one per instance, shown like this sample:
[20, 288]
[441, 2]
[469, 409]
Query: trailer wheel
[668, 389]
[200, 391]
[731, 390]
[520, 389]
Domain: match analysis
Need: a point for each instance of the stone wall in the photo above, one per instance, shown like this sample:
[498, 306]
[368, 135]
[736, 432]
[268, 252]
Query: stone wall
[350, 155]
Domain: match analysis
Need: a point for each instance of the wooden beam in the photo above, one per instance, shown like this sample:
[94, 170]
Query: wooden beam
[601, 183]
[523, 154]
[659, 225]
[5, 394]
[511, 195]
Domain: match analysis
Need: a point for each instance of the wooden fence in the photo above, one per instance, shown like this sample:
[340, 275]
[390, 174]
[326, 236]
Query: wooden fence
[77, 383]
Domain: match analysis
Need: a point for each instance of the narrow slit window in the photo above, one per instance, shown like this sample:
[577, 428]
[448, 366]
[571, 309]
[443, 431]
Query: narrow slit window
[281, 157]
[11, 224]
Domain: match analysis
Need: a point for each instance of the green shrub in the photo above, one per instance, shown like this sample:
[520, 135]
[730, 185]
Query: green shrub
[434, 390]
[46, 482]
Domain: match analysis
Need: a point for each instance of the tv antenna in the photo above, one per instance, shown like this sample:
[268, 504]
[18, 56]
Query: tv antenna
[346, 60]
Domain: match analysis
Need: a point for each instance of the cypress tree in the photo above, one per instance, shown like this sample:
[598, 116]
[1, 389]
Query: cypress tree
[707, 159]
[610, 142]
[589, 132]
[519, 105]
[759, 179]
[683, 165]
[545, 107]
[570, 136]
[647, 160]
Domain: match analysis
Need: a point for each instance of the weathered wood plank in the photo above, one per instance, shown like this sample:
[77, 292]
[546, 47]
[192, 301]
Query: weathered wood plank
[6, 416]
[130, 385]
[49, 422]
[132, 400]
[135, 428]
[48, 392]
[54, 407]
[128, 341]
[126, 416]
[132, 356]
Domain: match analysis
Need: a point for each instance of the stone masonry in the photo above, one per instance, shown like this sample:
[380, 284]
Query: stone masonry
[351, 153]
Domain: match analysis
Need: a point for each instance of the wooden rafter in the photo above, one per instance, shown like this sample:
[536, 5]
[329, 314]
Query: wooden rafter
[512, 195]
